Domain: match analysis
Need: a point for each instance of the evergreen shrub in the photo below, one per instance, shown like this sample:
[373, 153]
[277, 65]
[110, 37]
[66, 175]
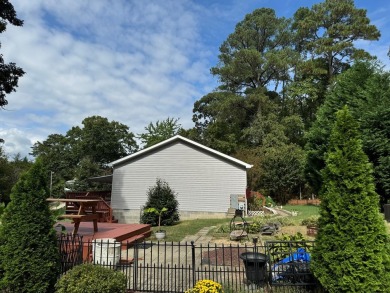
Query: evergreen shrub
[161, 196]
[29, 256]
[91, 278]
[352, 247]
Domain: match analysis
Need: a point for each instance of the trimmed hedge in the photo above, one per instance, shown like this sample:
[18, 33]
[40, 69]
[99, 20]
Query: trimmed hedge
[88, 278]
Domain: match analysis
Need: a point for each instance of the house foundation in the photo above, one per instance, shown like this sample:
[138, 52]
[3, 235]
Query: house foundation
[134, 216]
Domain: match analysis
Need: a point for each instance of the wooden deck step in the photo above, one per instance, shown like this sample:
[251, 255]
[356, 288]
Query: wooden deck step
[124, 234]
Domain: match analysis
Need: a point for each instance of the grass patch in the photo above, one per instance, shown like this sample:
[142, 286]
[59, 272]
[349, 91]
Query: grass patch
[191, 227]
[188, 227]
[304, 212]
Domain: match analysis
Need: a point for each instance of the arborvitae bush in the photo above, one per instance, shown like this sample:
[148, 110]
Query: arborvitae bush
[91, 278]
[352, 248]
[160, 196]
[29, 256]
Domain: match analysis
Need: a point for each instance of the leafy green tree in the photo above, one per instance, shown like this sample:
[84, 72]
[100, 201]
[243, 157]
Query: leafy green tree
[306, 92]
[283, 167]
[257, 53]
[376, 134]
[58, 155]
[2, 207]
[5, 171]
[85, 151]
[352, 248]
[253, 156]
[212, 121]
[366, 90]
[266, 121]
[102, 140]
[270, 124]
[10, 172]
[325, 36]
[221, 117]
[10, 73]
[159, 131]
[29, 256]
[85, 169]
[161, 196]
[274, 74]
[191, 133]
[328, 31]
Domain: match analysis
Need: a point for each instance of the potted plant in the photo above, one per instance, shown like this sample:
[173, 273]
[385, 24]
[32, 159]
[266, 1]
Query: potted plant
[160, 234]
[311, 224]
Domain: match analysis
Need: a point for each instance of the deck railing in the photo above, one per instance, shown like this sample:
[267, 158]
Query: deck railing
[106, 195]
[176, 267]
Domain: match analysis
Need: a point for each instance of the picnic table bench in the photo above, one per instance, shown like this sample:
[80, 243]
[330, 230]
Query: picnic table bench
[86, 211]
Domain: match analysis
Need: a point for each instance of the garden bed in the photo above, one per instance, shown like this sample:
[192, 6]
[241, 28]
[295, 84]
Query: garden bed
[223, 256]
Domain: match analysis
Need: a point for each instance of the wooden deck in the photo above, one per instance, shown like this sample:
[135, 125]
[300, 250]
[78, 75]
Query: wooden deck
[124, 233]
[120, 232]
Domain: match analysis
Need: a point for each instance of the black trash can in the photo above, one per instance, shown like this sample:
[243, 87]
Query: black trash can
[255, 267]
[386, 210]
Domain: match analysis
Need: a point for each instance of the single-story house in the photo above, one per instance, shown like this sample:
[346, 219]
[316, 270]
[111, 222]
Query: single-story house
[202, 178]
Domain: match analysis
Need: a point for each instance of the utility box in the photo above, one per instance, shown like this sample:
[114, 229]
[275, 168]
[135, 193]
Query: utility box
[238, 202]
[241, 206]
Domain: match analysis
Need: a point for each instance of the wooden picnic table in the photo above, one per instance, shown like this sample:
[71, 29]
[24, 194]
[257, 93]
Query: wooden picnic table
[86, 211]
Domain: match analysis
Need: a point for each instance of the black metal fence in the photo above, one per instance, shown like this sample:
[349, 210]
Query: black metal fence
[71, 251]
[277, 266]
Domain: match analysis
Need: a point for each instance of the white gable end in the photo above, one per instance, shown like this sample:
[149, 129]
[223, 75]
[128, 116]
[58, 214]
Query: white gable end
[202, 179]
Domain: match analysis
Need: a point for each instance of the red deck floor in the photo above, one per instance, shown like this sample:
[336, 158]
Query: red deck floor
[120, 232]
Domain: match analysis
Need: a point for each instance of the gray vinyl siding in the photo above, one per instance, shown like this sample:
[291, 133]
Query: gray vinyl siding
[203, 182]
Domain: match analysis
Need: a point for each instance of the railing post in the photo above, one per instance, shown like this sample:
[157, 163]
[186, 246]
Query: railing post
[193, 263]
[135, 266]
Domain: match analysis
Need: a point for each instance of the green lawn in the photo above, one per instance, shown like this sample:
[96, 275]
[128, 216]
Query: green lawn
[188, 227]
[191, 227]
[304, 212]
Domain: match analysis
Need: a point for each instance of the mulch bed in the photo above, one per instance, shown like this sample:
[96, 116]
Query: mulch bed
[224, 256]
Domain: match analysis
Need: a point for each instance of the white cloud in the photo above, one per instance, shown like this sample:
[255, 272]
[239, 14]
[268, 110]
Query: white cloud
[134, 62]
[16, 140]
[131, 61]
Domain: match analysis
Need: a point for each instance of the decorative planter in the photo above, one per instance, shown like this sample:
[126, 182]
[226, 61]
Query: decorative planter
[160, 235]
[312, 230]
[255, 267]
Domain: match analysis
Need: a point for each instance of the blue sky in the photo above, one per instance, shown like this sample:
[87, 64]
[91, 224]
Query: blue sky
[133, 61]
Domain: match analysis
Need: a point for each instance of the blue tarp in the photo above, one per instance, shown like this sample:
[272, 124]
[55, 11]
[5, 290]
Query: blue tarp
[299, 256]
[280, 269]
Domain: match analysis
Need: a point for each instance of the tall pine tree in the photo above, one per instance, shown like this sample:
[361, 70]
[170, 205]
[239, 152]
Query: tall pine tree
[352, 248]
[29, 257]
